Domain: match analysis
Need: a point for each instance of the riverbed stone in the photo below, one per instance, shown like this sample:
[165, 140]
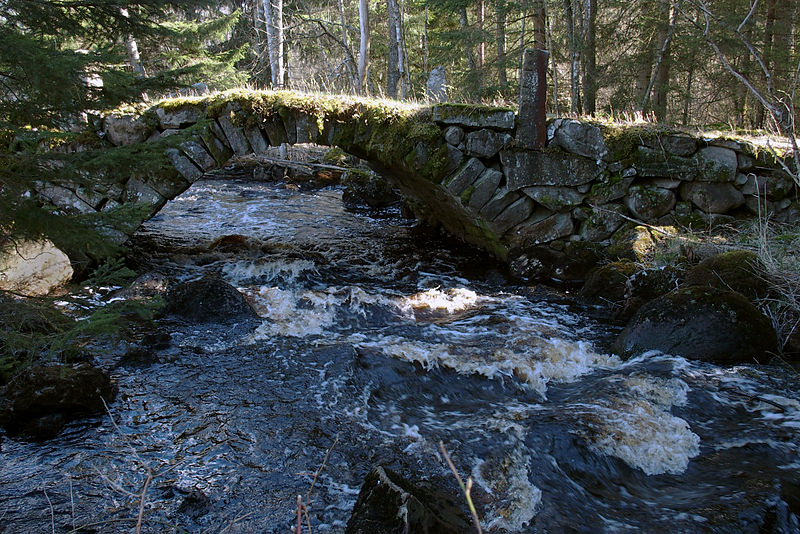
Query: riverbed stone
[389, 503]
[486, 143]
[712, 197]
[209, 299]
[33, 268]
[367, 187]
[701, 323]
[554, 198]
[484, 188]
[717, 164]
[648, 203]
[526, 168]
[741, 271]
[474, 116]
[581, 138]
[38, 402]
[607, 284]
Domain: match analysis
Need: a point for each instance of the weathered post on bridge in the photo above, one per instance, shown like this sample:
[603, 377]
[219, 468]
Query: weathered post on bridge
[532, 118]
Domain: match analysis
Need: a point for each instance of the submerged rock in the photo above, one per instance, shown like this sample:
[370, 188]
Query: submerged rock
[42, 399]
[208, 299]
[390, 504]
[701, 323]
[364, 187]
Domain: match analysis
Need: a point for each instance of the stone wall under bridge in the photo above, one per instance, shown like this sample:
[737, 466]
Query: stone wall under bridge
[457, 164]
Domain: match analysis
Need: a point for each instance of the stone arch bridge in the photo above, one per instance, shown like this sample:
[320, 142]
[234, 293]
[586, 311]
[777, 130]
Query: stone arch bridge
[457, 164]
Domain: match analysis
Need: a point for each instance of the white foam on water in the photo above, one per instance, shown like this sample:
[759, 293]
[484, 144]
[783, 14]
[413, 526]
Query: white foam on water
[637, 427]
[242, 272]
[516, 499]
[536, 364]
[294, 313]
[435, 303]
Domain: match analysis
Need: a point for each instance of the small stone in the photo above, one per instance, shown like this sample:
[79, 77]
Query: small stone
[465, 176]
[183, 165]
[235, 136]
[485, 188]
[453, 135]
[649, 203]
[543, 228]
[554, 198]
[513, 215]
[526, 168]
[474, 116]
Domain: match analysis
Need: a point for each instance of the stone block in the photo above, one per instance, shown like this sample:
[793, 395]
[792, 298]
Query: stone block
[235, 136]
[554, 198]
[745, 162]
[138, 191]
[775, 186]
[289, 124]
[502, 199]
[677, 145]
[454, 135]
[582, 139]
[183, 165]
[464, 177]
[602, 221]
[717, 164]
[65, 199]
[199, 155]
[652, 163]
[177, 118]
[214, 144]
[610, 188]
[486, 143]
[474, 116]
[276, 131]
[484, 188]
[712, 197]
[307, 128]
[543, 227]
[124, 130]
[514, 214]
[33, 268]
[649, 203]
[524, 168]
[256, 138]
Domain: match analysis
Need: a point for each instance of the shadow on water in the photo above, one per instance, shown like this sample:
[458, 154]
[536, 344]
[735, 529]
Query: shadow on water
[392, 339]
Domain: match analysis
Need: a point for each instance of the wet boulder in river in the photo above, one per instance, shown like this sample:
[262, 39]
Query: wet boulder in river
[390, 504]
[701, 323]
[42, 399]
[209, 299]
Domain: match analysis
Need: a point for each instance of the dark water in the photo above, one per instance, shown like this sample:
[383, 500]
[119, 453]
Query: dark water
[389, 340]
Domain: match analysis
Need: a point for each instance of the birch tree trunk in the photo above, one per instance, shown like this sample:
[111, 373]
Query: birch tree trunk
[273, 17]
[574, 58]
[500, 39]
[351, 67]
[363, 49]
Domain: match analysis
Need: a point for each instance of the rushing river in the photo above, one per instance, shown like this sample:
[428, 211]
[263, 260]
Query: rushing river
[389, 339]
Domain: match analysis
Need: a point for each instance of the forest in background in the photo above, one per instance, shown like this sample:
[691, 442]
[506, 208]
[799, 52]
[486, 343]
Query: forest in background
[702, 62]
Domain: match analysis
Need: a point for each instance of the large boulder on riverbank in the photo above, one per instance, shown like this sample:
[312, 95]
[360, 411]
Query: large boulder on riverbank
[42, 399]
[33, 268]
[209, 299]
[701, 323]
[738, 270]
[390, 504]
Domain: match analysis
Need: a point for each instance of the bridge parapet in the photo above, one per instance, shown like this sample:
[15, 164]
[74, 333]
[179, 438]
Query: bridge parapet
[458, 163]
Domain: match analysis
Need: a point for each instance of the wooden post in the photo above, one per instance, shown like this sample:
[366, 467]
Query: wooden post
[532, 117]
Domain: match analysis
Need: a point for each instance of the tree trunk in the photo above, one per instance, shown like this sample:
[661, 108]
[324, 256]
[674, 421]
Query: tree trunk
[363, 54]
[393, 72]
[539, 25]
[134, 60]
[463, 23]
[554, 67]
[480, 14]
[500, 38]
[402, 54]
[590, 57]
[351, 68]
[574, 58]
[663, 64]
[273, 17]
[687, 99]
